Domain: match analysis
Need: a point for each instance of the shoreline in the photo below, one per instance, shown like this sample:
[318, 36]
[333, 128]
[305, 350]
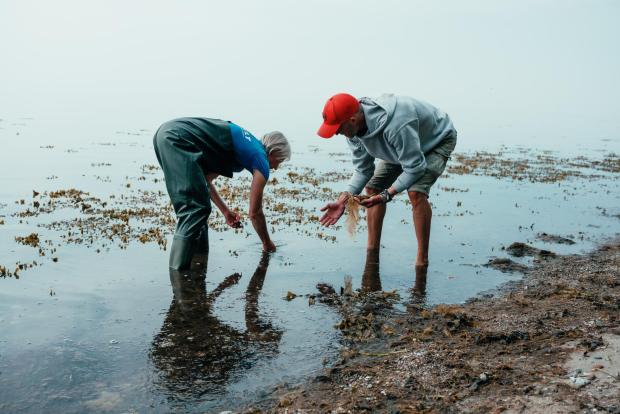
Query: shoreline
[547, 343]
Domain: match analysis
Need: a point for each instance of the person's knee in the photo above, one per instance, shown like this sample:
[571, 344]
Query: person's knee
[417, 198]
[190, 225]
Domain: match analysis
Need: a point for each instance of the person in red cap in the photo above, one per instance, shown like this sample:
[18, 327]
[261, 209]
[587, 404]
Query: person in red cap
[413, 141]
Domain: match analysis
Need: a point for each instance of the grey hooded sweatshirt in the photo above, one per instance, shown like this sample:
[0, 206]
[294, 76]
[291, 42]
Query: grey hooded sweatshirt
[400, 131]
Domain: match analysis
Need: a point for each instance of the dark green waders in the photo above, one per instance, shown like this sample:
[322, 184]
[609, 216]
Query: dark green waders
[186, 148]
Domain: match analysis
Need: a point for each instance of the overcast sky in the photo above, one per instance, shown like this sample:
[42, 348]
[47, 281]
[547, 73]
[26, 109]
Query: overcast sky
[524, 71]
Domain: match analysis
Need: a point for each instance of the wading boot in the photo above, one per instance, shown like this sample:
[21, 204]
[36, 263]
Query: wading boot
[181, 253]
[202, 242]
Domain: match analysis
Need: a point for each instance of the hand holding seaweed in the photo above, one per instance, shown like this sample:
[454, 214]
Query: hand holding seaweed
[369, 201]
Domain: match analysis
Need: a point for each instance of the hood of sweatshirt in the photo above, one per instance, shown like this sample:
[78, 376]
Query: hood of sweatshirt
[377, 112]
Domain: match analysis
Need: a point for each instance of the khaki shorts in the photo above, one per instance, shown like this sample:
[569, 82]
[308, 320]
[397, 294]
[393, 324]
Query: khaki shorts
[386, 173]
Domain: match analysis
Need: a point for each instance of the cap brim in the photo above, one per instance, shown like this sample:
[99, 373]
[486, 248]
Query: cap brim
[327, 130]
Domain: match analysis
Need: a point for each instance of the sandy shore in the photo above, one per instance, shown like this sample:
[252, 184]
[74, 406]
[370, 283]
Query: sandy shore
[547, 344]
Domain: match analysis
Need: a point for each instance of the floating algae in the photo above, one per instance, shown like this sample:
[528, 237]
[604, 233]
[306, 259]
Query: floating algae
[353, 216]
[353, 213]
[145, 215]
[30, 240]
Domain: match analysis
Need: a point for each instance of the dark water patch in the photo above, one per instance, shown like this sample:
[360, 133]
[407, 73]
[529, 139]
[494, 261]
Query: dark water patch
[553, 238]
[196, 354]
[506, 265]
[518, 249]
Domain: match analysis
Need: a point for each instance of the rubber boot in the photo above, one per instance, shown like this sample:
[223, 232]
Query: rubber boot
[202, 243]
[201, 252]
[181, 253]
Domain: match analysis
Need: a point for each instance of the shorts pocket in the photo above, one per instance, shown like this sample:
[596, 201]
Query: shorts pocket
[436, 163]
[446, 147]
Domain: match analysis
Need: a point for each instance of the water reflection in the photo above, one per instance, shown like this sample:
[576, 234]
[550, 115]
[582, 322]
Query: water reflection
[418, 293]
[371, 279]
[196, 354]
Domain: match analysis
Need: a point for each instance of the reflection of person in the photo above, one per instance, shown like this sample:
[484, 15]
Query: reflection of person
[418, 292]
[371, 278]
[258, 329]
[192, 152]
[195, 352]
[413, 140]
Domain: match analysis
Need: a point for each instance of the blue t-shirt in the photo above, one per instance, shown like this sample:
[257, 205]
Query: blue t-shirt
[249, 152]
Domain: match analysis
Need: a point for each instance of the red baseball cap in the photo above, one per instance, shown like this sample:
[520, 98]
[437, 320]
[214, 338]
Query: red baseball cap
[337, 109]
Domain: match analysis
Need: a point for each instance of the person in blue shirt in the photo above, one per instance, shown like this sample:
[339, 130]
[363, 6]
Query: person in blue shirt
[192, 152]
[249, 152]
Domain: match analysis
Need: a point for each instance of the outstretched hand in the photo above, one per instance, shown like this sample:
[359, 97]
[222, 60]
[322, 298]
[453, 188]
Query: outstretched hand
[333, 212]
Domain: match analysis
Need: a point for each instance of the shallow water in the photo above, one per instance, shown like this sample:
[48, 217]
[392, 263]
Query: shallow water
[114, 330]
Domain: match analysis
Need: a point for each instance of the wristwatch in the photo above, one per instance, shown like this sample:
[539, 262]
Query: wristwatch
[386, 197]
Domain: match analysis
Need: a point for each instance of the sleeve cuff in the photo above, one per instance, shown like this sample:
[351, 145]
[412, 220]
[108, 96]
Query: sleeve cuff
[406, 180]
[357, 183]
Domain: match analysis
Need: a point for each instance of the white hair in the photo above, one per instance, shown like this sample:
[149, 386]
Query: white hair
[276, 143]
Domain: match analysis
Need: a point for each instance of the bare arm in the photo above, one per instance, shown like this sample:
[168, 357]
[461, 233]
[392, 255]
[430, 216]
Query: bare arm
[215, 196]
[256, 211]
[231, 217]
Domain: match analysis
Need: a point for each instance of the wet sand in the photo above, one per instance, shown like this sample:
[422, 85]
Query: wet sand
[549, 343]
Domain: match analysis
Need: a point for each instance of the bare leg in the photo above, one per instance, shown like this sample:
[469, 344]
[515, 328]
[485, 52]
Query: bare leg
[422, 215]
[374, 217]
